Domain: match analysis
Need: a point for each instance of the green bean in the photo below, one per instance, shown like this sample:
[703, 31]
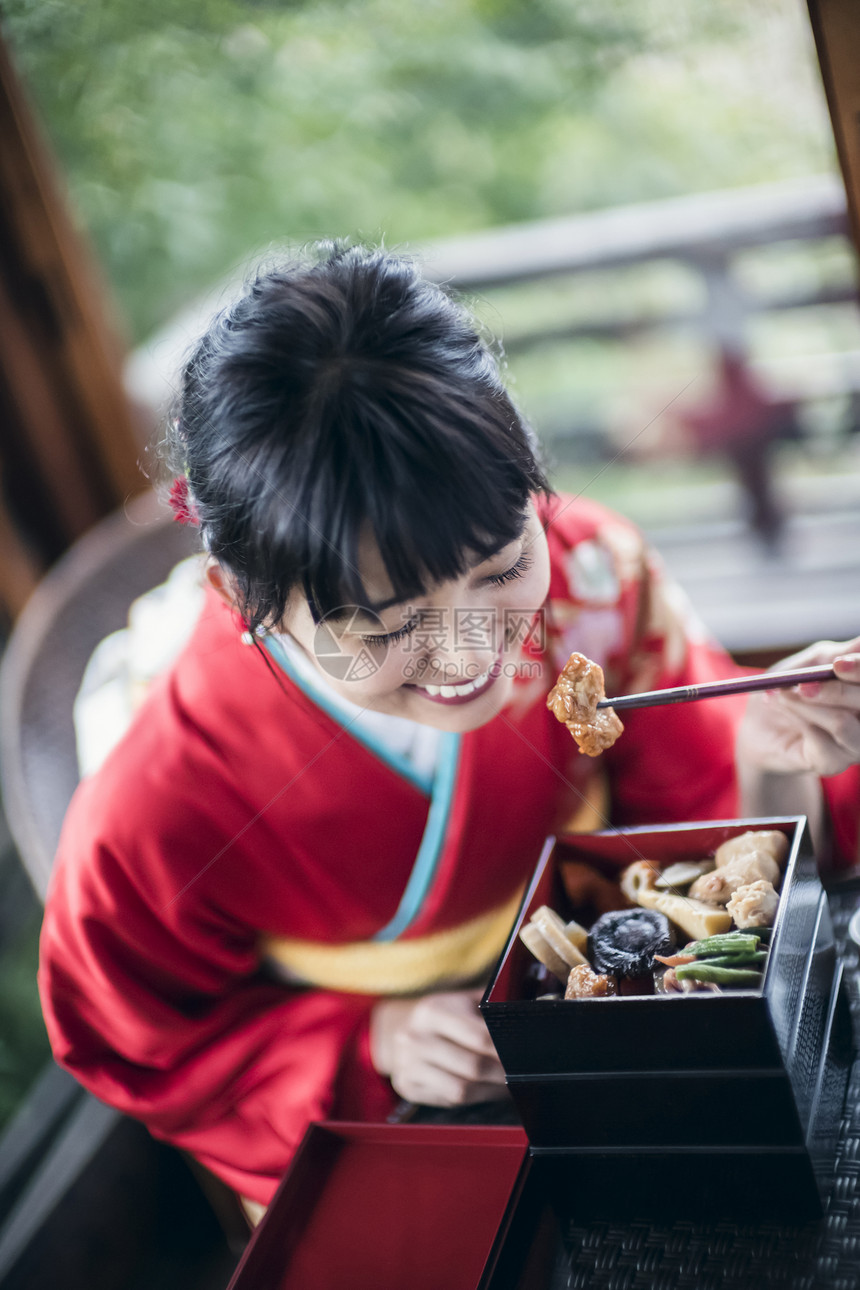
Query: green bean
[764, 933]
[735, 960]
[719, 975]
[730, 943]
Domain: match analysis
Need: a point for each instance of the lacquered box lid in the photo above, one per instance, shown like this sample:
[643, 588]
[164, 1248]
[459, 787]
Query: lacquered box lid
[386, 1207]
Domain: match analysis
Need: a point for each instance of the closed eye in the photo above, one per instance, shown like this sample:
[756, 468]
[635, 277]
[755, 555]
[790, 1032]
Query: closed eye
[517, 570]
[390, 638]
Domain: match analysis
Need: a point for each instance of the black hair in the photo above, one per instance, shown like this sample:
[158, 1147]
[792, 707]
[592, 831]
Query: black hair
[344, 394]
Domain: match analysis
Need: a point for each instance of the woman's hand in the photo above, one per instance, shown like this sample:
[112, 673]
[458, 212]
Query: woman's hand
[436, 1050]
[815, 727]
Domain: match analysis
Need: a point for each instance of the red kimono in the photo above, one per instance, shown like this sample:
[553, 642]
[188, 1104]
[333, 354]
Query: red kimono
[238, 826]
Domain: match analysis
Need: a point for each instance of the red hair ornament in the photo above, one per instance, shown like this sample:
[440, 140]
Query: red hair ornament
[179, 501]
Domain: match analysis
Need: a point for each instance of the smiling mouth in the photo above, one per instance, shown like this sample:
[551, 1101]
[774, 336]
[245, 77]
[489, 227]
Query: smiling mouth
[464, 692]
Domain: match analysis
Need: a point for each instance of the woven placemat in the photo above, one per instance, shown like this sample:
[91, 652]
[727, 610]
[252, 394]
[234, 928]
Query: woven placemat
[684, 1255]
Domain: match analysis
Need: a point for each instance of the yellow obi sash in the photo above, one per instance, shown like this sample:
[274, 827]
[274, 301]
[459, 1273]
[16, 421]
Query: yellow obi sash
[457, 956]
[454, 957]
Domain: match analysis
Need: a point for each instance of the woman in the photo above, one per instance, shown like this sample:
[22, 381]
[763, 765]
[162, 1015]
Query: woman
[279, 897]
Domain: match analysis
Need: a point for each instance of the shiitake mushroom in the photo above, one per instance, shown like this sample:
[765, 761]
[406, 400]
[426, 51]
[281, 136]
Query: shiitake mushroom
[623, 943]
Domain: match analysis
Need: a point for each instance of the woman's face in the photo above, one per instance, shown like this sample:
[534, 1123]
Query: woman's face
[448, 658]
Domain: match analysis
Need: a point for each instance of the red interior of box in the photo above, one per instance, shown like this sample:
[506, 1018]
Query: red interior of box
[385, 1207]
[610, 852]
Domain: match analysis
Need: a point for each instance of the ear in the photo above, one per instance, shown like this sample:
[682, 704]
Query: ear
[221, 582]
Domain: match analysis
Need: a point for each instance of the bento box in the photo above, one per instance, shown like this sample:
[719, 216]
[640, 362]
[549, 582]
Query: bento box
[619, 1089]
[381, 1207]
[749, 1029]
[724, 1181]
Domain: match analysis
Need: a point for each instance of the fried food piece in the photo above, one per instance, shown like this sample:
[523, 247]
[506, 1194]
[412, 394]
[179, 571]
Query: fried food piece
[574, 699]
[717, 887]
[769, 840]
[754, 905]
[582, 983]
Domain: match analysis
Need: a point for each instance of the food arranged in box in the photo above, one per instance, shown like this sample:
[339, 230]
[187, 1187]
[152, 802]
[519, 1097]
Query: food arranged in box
[701, 1021]
[723, 905]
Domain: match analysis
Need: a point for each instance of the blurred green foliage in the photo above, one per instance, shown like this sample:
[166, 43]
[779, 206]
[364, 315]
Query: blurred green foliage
[192, 135]
[23, 1042]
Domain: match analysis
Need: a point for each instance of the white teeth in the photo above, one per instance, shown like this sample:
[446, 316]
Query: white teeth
[456, 691]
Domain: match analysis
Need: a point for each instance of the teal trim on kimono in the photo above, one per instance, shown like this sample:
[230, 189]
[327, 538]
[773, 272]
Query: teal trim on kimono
[323, 698]
[430, 850]
[441, 791]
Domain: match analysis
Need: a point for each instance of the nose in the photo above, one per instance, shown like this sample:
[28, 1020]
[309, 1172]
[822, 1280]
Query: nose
[465, 651]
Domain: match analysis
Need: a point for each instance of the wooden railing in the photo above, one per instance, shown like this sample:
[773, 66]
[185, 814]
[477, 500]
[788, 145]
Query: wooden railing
[704, 229]
[705, 234]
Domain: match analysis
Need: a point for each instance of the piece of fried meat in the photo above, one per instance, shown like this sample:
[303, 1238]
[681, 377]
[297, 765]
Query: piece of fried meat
[574, 698]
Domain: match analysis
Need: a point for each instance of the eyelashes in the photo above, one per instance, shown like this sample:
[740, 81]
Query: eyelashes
[391, 637]
[517, 570]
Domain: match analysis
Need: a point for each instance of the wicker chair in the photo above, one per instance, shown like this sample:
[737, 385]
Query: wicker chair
[83, 598]
[80, 601]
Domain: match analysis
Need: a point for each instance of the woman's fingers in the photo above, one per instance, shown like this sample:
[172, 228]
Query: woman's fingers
[837, 720]
[787, 733]
[847, 668]
[453, 1016]
[438, 1050]
[440, 1071]
[442, 1054]
[431, 1087]
[813, 727]
[827, 694]
[820, 652]
[828, 751]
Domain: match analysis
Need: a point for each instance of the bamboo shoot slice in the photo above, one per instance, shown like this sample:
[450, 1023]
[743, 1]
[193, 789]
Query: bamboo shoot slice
[694, 917]
[577, 935]
[533, 939]
[554, 930]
